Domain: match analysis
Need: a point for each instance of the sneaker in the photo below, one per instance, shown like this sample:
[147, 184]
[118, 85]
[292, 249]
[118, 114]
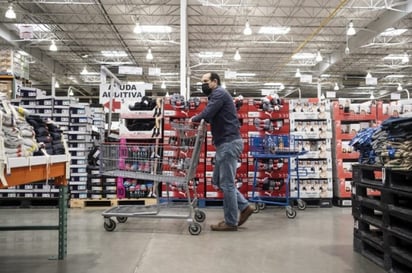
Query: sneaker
[244, 215]
[222, 226]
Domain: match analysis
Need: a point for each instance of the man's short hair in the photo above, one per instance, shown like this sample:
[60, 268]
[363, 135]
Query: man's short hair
[215, 76]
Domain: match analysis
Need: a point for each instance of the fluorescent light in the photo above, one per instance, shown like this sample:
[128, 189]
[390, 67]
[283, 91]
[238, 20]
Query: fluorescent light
[297, 74]
[395, 57]
[53, 46]
[304, 56]
[237, 56]
[10, 14]
[245, 74]
[274, 30]
[211, 54]
[247, 30]
[137, 29]
[351, 30]
[151, 29]
[391, 32]
[395, 76]
[149, 55]
[113, 53]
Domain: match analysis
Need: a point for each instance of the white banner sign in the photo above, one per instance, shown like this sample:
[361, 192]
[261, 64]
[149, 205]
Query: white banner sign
[130, 70]
[306, 78]
[131, 91]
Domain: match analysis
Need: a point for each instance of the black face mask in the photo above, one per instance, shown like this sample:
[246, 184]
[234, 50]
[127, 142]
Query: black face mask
[206, 89]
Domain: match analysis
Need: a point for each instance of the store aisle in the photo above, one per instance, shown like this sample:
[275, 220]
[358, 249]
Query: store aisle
[317, 240]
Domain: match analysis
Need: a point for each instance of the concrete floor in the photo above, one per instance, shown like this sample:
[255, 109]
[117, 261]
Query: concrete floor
[318, 240]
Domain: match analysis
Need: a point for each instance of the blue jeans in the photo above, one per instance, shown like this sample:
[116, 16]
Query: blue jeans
[224, 175]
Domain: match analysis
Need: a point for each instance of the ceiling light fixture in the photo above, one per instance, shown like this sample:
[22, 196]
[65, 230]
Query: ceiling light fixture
[274, 30]
[10, 14]
[237, 56]
[351, 30]
[297, 74]
[137, 29]
[211, 54]
[84, 71]
[319, 57]
[114, 53]
[163, 86]
[304, 56]
[405, 58]
[247, 30]
[56, 84]
[246, 74]
[399, 88]
[369, 75]
[53, 46]
[149, 55]
[347, 50]
[336, 87]
[372, 97]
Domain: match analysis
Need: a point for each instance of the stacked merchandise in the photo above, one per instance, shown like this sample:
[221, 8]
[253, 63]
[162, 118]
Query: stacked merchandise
[95, 184]
[241, 178]
[349, 119]
[388, 145]
[268, 116]
[26, 135]
[80, 143]
[17, 134]
[178, 110]
[311, 128]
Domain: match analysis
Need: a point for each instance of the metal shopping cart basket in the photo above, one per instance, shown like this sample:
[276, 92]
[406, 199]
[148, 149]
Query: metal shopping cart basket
[172, 163]
[271, 148]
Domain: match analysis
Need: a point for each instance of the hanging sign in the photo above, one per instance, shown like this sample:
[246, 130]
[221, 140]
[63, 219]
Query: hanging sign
[131, 91]
[130, 70]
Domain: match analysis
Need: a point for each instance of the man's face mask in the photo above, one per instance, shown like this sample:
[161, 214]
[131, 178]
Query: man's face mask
[206, 89]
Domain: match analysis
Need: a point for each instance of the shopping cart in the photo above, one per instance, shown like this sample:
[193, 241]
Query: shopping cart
[279, 148]
[173, 163]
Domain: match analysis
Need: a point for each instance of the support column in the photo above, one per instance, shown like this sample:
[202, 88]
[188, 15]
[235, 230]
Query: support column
[184, 90]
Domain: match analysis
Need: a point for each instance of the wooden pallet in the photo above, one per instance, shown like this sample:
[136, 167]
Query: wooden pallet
[82, 203]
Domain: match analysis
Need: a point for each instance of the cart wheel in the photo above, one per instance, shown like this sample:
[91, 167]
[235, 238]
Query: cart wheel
[109, 224]
[121, 219]
[257, 209]
[301, 204]
[262, 206]
[291, 213]
[200, 216]
[195, 228]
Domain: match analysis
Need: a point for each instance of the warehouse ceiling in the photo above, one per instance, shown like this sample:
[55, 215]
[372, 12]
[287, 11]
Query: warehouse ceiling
[82, 29]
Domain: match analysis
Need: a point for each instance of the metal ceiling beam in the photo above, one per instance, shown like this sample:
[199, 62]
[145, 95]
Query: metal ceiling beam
[388, 19]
